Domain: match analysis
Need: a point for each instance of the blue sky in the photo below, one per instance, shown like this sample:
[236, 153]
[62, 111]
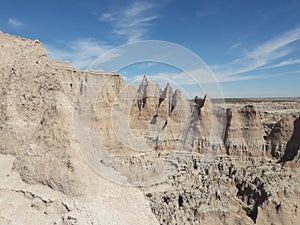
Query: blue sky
[252, 47]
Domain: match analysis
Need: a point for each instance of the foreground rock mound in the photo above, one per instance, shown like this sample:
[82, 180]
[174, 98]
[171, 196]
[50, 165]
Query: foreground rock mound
[43, 178]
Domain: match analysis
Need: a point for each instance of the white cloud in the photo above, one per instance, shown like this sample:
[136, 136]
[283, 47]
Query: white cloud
[14, 23]
[249, 64]
[276, 43]
[132, 23]
[137, 8]
[247, 67]
[283, 63]
[193, 77]
[261, 57]
[80, 53]
[234, 46]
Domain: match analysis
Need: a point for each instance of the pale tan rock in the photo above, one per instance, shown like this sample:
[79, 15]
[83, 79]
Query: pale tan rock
[48, 181]
[245, 132]
[279, 137]
[293, 145]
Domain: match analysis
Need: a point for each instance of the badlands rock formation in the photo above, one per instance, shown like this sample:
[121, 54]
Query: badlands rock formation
[86, 148]
[43, 178]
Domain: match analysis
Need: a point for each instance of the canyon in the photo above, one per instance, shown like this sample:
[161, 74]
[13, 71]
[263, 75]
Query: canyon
[85, 147]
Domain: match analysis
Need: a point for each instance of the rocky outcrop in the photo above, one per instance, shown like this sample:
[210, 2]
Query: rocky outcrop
[283, 141]
[242, 124]
[293, 145]
[279, 137]
[44, 179]
[168, 121]
[229, 191]
[163, 118]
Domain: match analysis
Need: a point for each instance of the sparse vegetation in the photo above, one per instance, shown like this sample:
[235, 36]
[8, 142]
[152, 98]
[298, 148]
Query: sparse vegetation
[216, 179]
[149, 195]
[247, 210]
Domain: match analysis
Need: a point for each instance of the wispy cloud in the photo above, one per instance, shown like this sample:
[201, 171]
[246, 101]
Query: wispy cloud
[192, 77]
[283, 63]
[80, 53]
[133, 22]
[263, 56]
[249, 66]
[234, 46]
[275, 44]
[14, 23]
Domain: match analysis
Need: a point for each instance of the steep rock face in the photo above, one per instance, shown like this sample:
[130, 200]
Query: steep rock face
[30, 108]
[172, 114]
[245, 132]
[164, 119]
[31, 97]
[283, 142]
[293, 145]
[213, 120]
[279, 137]
[110, 100]
[271, 110]
[159, 117]
[42, 170]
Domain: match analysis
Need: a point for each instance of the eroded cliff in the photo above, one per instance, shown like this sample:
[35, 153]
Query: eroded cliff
[43, 178]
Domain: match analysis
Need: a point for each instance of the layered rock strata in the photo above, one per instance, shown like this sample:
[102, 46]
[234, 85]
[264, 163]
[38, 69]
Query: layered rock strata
[43, 178]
